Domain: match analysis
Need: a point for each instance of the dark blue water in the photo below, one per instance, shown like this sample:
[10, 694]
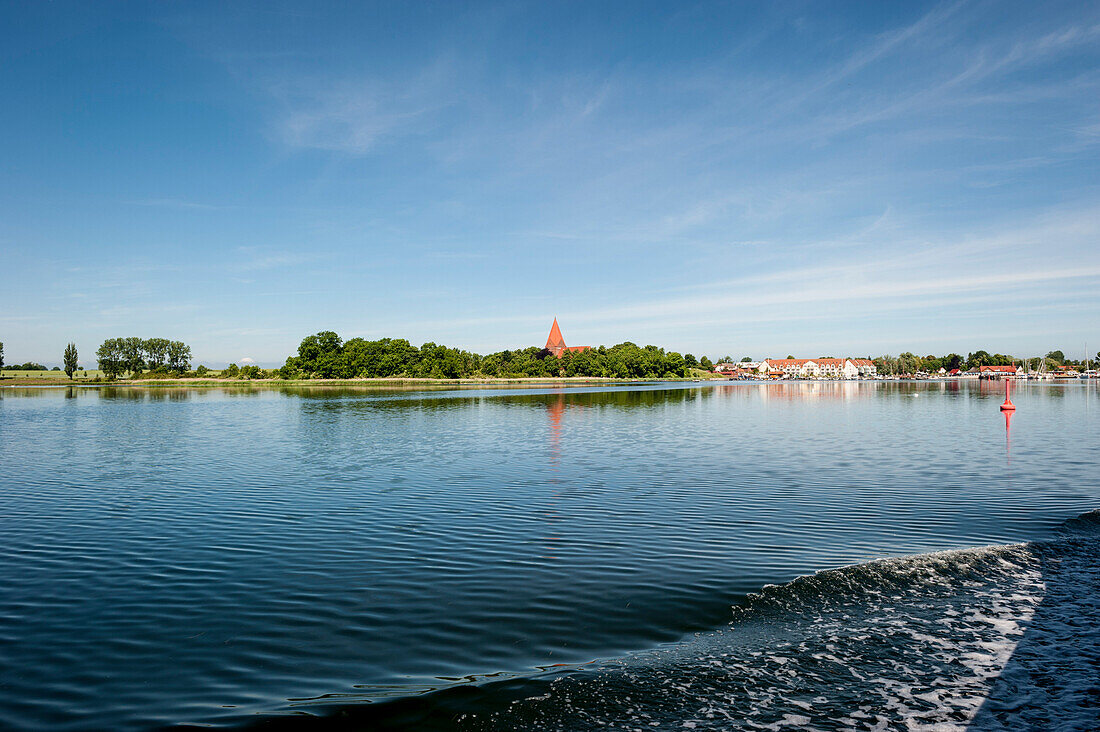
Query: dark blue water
[182, 556]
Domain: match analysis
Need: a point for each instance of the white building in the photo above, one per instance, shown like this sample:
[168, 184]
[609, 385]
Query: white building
[865, 367]
[791, 367]
[836, 368]
[824, 368]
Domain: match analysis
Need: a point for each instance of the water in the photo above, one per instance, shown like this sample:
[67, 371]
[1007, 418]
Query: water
[449, 558]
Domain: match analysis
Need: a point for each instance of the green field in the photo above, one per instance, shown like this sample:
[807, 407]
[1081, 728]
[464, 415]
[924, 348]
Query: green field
[92, 373]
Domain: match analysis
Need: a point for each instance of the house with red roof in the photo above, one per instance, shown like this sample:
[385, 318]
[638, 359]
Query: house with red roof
[999, 372]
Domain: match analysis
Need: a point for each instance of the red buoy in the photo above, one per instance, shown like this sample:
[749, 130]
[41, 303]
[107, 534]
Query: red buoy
[1008, 406]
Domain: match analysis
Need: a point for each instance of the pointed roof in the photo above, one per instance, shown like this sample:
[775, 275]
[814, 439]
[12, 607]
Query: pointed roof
[555, 341]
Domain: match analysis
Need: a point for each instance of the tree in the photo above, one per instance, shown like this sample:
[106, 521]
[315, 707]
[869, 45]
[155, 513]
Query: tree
[156, 352]
[952, 361]
[133, 355]
[231, 371]
[908, 363]
[1, 354]
[70, 360]
[887, 365]
[705, 363]
[179, 356]
[110, 358]
[746, 359]
[690, 361]
[1057, 357]
[979, 358]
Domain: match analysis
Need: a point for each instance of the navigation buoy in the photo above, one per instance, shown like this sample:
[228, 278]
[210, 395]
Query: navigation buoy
[1008, 406]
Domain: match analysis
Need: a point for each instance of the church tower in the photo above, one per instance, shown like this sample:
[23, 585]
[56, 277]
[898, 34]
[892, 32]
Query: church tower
[555, 343]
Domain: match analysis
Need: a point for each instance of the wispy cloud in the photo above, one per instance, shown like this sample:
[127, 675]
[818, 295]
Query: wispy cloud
[176, 203]
[355, 116]
[261, 258]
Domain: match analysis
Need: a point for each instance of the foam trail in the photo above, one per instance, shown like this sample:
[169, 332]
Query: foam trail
[1000, 637]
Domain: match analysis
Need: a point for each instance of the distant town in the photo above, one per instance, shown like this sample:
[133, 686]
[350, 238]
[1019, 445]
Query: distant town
[866, 368]
[325, 355]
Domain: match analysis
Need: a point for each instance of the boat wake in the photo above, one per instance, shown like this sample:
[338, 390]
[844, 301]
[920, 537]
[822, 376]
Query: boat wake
[993, 638]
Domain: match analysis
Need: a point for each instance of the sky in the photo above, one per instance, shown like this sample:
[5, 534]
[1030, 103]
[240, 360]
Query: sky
[718, 178]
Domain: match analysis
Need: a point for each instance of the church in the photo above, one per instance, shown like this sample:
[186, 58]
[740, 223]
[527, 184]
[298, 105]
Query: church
[556, 344]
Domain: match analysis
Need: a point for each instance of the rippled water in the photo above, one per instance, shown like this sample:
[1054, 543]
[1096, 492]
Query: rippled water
[226, 556]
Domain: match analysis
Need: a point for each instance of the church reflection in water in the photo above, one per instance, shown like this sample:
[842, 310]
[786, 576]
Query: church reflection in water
[555, 409]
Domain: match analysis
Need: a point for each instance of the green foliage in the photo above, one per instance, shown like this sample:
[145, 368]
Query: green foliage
[1057, 357]
[109, 356]
[118, 356]
[326, 356]
[201, 371]
[28, 366]
[231, 371]
[133, 355]
[746, 359]
[70, 360]
[706, 363]
[690, 361]
[978, 359]
[156, 352]
[179, 356]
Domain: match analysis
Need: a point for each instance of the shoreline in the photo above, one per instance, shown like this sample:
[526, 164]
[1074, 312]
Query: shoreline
[386, 381]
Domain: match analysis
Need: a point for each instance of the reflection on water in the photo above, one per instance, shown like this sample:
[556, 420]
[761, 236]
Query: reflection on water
[204, 555]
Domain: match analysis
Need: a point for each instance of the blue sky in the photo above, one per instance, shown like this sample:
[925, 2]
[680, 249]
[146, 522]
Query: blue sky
[744, 178]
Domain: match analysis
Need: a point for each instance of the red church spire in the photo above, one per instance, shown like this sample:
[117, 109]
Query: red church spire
[555, 343]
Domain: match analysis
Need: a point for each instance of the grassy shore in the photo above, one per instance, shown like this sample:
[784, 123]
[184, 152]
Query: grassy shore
[384, 382]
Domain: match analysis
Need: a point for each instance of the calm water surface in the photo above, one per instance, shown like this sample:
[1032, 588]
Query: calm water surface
[220, 556]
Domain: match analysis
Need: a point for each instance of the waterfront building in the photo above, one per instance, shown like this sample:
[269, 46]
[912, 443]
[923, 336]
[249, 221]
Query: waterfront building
[865, 367]
[556, 344]
[824, 368]
[731, 367]
[792, 368]
[836, 368]
[999, 372]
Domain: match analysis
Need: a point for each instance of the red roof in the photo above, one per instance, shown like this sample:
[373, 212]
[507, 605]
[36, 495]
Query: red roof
[556, 344]
[787, 361]
[830, 361]
[554, 340]
[863, 362]
[999, 369]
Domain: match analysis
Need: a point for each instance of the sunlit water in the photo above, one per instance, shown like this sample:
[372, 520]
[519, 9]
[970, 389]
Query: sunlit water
[234, 556]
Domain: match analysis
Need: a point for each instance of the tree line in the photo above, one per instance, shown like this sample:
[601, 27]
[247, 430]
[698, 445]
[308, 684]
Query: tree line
[910, 363]
[133, 356]
[326, 356]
